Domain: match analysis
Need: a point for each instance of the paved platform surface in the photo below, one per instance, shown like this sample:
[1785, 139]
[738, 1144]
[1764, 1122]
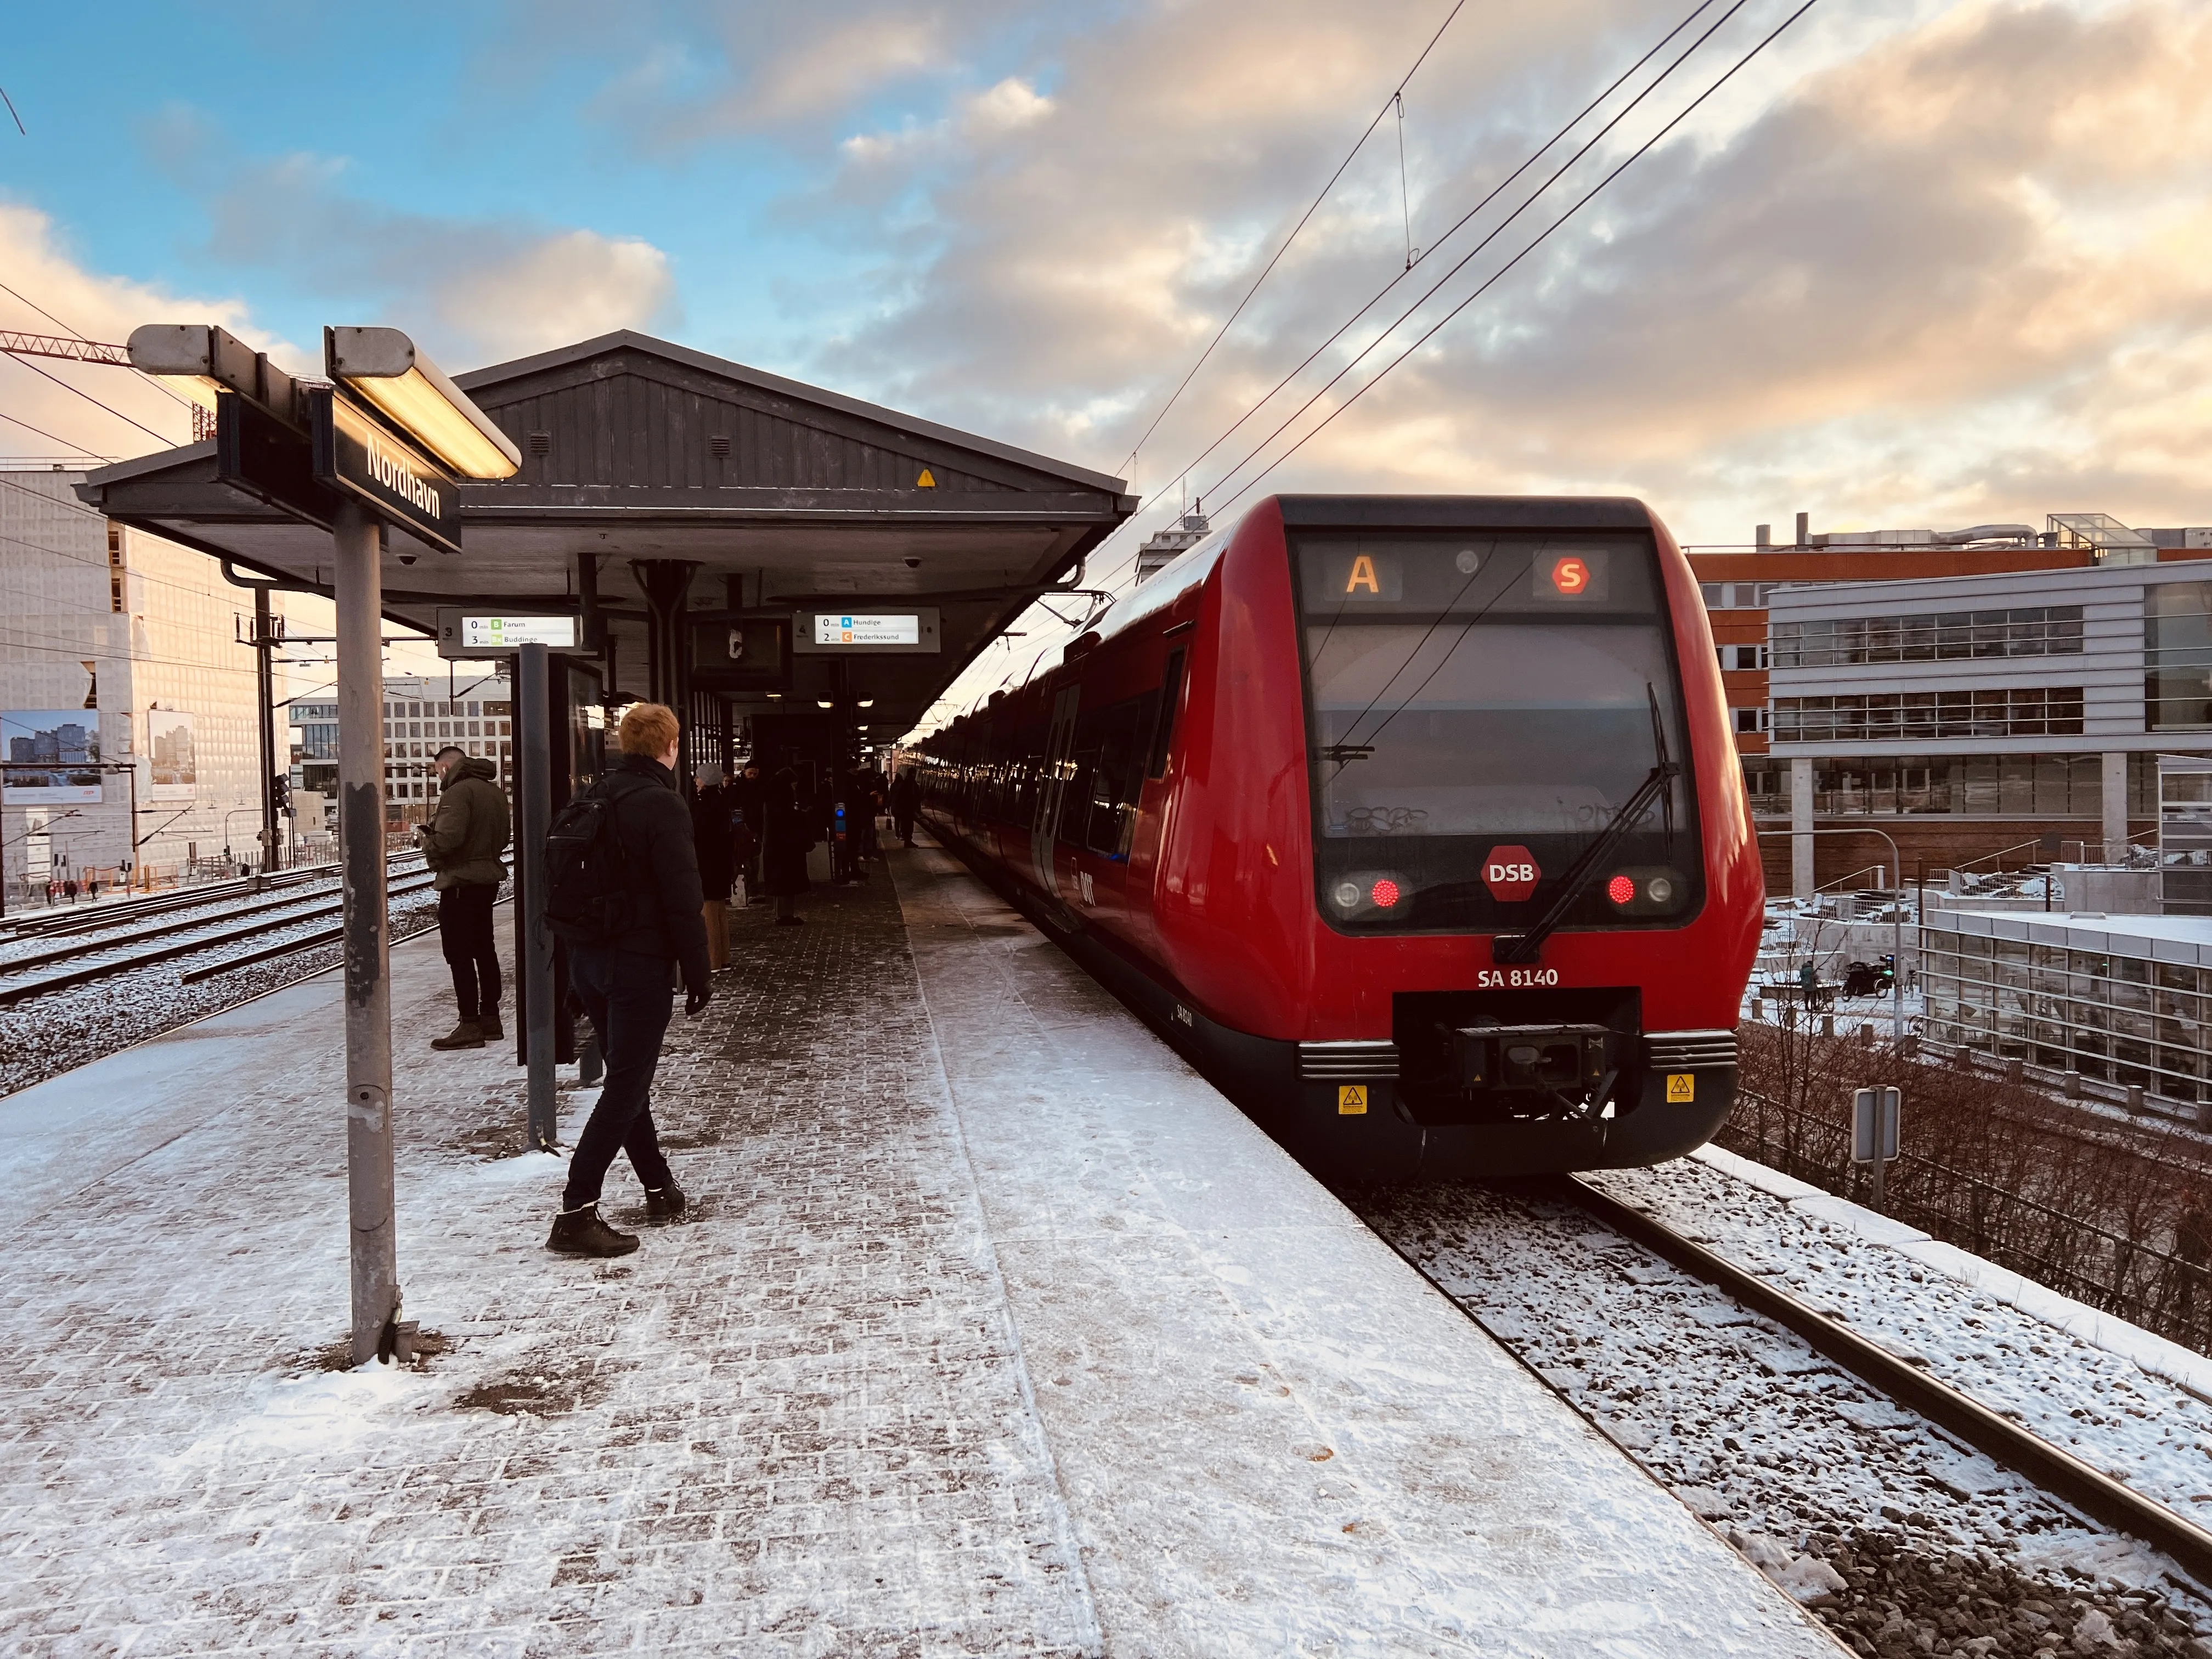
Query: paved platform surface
[995, 1332]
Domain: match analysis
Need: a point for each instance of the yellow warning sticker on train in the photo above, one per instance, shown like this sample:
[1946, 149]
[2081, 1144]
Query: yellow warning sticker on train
[1682, 1086]
[926, 480]
[1351, 1100]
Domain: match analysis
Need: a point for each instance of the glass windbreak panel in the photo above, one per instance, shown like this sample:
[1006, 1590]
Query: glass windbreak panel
[1480, 708]
[2178, 656]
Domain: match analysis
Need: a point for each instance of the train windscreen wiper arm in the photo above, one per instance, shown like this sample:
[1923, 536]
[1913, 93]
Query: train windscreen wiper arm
[1520, 948]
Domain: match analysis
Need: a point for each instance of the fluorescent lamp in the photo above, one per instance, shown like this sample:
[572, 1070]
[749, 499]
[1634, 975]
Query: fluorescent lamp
[867, 702]
[824, 703]
[384, 366]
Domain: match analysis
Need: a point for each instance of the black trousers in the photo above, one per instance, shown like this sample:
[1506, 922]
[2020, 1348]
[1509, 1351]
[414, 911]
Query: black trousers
[628, 1000]
[464, 932]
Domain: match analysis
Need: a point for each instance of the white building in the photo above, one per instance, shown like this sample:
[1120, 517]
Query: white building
[2120, 1000]
[120, 652]
[470, 707]
[2042, 697]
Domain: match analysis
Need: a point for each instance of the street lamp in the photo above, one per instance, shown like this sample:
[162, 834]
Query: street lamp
[387, 368]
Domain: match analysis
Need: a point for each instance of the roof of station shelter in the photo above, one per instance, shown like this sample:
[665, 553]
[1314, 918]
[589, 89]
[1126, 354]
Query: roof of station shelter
[634, 448]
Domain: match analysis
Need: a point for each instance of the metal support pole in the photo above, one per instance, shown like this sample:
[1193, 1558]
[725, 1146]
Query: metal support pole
[532, 719]
[359, 580]
[263, 649]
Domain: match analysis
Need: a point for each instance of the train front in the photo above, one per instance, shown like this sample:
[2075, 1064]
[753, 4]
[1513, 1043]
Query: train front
[1535, 892]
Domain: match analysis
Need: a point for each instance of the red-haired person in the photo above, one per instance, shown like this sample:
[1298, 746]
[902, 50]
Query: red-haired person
[623, 980]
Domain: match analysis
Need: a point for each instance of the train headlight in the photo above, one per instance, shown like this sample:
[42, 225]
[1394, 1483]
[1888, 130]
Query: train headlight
[1347, 895]
[1648, 890]
[1660, 890]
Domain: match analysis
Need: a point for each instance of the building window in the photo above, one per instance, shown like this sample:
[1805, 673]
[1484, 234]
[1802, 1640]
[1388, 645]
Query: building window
[2033, 711]
[1747, 722]
[2178, 656]
[2051, 630]
[1736, 596]
[2114, 1015]
[1741, 658]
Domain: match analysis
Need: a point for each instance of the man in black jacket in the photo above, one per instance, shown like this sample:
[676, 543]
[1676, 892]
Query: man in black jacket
[623, 981]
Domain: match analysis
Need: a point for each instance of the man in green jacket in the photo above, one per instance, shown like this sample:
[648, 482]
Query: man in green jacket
[462, 844]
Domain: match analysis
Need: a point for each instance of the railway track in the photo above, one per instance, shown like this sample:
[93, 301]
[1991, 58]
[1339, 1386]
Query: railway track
[1890, 1492]
[177, 938]
[2050, 1467]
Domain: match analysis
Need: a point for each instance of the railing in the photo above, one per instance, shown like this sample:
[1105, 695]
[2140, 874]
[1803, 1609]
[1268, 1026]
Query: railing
[2168, 1291]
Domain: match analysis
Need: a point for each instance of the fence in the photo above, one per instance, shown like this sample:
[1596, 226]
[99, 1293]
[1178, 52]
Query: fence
[2116, 1220]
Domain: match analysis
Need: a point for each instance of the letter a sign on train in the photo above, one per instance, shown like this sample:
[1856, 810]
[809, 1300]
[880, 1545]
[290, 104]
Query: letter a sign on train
[1511, 873]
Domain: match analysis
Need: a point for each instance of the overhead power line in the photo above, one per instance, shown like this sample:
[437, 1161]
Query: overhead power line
[168, 392]
[158, 438]
[1580, 203]
[1496, 190]
[1396, 93]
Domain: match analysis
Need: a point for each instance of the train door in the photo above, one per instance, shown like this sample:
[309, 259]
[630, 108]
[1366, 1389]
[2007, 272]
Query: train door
[1044, 825]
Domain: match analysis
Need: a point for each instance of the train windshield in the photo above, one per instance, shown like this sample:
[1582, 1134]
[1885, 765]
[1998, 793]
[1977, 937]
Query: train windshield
[1480, 708]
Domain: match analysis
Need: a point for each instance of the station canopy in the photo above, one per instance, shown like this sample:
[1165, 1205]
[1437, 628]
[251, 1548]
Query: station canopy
[645, 456]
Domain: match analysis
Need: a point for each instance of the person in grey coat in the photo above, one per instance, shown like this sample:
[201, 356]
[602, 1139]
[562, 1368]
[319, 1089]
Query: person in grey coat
[462, 845]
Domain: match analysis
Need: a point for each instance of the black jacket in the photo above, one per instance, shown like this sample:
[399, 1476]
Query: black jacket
[710, 836]
[654, 824]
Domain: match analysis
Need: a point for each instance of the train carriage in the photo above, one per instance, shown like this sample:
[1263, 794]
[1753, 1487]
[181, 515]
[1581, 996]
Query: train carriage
[1414, 822]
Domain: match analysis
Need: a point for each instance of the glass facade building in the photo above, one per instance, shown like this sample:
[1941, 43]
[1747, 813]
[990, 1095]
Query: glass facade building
[2123, 1000]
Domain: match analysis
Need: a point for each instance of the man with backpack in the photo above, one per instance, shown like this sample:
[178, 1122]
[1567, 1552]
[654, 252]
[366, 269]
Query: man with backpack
[463, 843]
[623, 889]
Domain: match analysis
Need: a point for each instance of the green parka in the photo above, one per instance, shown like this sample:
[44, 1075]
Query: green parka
[464, 841]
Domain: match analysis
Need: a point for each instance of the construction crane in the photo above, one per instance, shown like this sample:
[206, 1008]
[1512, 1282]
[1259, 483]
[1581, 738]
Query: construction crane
[92, 351]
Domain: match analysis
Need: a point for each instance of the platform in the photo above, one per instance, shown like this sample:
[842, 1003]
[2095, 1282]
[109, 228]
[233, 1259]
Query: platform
[996, 1331]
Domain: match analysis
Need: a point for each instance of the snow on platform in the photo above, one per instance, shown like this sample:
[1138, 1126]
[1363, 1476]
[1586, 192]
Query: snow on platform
[994, 1331]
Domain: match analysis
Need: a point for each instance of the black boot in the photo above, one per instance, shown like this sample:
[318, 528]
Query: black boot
[467, 1035]
[663, 1203]
[488, 1022]
[580, 1232]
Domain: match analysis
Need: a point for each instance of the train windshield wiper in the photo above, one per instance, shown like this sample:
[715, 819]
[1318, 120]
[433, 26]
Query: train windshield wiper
[1658, 785]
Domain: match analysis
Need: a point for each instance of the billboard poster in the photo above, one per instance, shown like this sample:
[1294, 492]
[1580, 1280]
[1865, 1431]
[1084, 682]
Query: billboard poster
[173, 773]
[52, 756]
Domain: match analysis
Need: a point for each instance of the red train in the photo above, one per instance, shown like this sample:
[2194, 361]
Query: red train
[1414, 822]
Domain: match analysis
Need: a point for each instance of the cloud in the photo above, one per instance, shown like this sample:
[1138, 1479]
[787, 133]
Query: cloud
[472, 290]
[49, 277]
[1922, 268]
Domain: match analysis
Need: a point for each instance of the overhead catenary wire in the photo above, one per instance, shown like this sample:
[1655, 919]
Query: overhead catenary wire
[1500, 229]
[1582, 202]
[54, 438]
[168, 392]
[157, 437]
[1496, 190]
[1312, 208]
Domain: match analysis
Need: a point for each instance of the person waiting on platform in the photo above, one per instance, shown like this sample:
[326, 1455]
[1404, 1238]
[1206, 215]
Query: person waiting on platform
[905, 801]
[463, 844]
[786, 834]
[622, 977]
[710, 835]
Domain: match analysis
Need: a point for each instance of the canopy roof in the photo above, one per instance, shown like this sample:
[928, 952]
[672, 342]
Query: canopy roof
[634, 448]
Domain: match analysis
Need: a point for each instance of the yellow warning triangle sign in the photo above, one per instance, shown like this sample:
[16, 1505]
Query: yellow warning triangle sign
[926, 480]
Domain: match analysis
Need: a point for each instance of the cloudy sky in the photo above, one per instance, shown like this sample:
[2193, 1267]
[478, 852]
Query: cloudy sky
[1913, 264]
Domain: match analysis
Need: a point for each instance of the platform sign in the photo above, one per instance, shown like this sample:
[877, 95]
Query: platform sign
[909, 632]
[496, 634]
[356, 453]
[1510, 872]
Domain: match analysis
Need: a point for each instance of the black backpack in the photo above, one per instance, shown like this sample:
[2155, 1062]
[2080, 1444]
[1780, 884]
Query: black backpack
[587, 894]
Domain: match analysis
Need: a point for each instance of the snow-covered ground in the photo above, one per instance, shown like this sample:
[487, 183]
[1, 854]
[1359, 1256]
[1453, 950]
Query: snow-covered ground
[45, 1035]
[1881, 1519]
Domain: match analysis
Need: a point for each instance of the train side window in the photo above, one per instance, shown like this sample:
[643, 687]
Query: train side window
[1164, 729]
[1122, 730]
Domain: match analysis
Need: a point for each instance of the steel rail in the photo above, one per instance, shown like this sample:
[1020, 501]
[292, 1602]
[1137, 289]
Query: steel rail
[11, 994]
[2049, 1467]
[115, 912]
[151, 927]
[292, 947]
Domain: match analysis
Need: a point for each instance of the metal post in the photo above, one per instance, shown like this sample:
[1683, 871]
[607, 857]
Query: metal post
[264, 644]
[534, 742]
[359, 580]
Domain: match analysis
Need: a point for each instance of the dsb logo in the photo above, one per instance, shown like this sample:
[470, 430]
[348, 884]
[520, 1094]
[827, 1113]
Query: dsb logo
[1511, 873]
